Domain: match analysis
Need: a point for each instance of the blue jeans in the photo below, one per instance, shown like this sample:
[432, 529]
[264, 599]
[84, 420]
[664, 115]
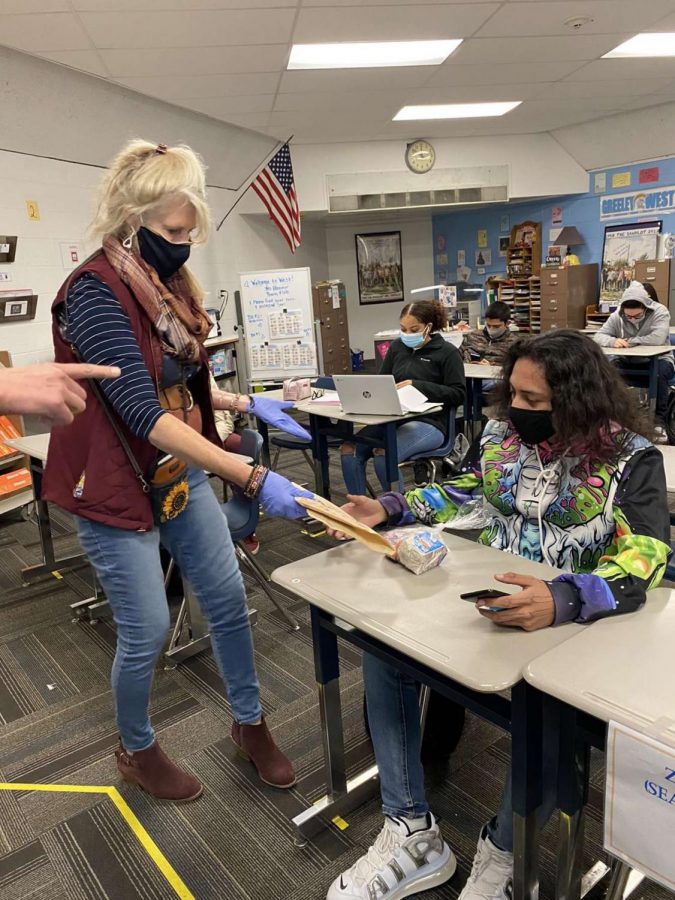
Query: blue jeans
[411, 437]
[393, 714]
[127, 564]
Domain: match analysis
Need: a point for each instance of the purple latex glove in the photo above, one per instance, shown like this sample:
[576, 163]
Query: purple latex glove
[272, 412]
[276, 496]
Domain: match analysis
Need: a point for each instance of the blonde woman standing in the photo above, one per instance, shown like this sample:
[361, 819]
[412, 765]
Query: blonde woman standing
[135, 305]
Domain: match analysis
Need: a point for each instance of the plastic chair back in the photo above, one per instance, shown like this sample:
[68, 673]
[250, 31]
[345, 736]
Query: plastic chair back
[446, 448]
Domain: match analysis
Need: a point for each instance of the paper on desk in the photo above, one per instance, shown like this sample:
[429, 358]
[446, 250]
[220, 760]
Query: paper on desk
[336, 518]
[329, 398]
[413, 400]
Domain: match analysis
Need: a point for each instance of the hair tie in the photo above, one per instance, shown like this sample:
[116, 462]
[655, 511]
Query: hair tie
[161, 149]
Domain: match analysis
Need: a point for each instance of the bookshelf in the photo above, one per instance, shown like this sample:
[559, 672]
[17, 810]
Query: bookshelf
[523, 295]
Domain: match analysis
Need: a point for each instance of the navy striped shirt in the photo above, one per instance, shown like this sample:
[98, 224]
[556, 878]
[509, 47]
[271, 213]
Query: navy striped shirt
[102, 333]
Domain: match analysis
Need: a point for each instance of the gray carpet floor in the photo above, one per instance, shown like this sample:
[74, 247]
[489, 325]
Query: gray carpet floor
[236, 841]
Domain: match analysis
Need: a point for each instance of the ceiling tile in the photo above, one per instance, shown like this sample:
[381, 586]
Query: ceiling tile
[504, 73]
[174, 5]
[625, 69]
[34, 6]
[522, 19]
[404, 22]
[494, 50]
[85, 60]
[256, 121]
[470, 93]
[189, 29]
[48, 31]
[209, 60]
[561, 90]
[221, 106]
[385, 103]
[666, 24]
[180, 87]
[354, 79]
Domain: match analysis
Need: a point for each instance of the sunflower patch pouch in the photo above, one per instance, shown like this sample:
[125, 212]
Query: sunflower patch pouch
[170, 489]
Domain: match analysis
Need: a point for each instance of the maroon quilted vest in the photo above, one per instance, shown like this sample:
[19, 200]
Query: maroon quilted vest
[87, 472]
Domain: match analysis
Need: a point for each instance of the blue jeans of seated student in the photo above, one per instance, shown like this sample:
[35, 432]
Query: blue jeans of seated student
[393, 715]
[127, 564]
[411, 438]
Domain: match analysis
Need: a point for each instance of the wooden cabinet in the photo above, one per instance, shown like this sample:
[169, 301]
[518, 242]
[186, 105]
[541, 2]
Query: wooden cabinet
[656, 273]
[565, 294]
[330, 309]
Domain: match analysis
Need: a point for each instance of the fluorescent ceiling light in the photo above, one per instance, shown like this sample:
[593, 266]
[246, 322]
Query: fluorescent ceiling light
[455, 110]
[647, 44]
[378, 54]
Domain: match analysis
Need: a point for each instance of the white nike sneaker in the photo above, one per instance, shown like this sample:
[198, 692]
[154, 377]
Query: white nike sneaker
[491, 875]
[399, 864]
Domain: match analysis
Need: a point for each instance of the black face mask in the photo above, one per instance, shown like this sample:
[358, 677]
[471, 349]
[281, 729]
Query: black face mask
[533, 425]
[164, 257]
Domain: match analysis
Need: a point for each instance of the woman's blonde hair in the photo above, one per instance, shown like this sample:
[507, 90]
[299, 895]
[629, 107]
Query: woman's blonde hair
[143, 177]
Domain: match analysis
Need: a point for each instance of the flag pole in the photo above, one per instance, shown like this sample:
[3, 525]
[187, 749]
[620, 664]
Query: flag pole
[255, 174]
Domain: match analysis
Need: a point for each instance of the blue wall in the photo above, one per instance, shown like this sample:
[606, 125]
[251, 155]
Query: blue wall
[458, 231]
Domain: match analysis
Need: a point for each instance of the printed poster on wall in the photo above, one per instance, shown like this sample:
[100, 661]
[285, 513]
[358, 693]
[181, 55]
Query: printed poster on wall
[481, 237]
[461, 257]
[640, 803]
[599, 182]
[624, 244]
[483, 258]
[637, 203]
[556, 215]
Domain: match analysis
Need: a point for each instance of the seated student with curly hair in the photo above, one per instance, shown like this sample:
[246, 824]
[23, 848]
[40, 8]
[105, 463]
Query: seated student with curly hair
[567, 477]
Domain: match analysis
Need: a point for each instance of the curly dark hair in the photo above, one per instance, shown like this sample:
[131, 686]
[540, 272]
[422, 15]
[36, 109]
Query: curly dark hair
[429, 312]
[589, 396]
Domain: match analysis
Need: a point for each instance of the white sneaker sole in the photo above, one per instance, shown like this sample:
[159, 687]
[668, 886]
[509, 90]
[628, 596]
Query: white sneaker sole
[447, 866]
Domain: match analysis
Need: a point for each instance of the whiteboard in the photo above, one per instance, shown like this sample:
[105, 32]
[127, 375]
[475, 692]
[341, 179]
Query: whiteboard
[278, 322]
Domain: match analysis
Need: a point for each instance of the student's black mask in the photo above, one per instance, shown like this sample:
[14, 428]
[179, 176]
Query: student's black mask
[533, 425]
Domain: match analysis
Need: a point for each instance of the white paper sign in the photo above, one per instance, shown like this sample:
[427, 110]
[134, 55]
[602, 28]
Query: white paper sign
[335, 294]
[640, 803]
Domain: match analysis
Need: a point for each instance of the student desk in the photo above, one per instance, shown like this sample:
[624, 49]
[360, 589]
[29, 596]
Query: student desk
[35, 447]
[592, 684]
[325, 421]
[475, 375]
[420, 625]
[643, 354]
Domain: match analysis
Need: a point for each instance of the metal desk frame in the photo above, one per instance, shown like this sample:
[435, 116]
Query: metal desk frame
[522, 716]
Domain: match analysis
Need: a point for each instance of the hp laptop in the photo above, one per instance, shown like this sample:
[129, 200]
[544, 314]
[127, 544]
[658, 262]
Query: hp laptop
[376, 395]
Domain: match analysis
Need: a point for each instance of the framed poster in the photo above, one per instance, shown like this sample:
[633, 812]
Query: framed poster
[379, 267]
[623, 245]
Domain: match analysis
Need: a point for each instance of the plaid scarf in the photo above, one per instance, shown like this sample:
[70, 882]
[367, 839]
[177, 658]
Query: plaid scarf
[179, 319]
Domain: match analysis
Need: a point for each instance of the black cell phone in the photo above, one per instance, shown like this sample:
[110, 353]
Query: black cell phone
[485, 594]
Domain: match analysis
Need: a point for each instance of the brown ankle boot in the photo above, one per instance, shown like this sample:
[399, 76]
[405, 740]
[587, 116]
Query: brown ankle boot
[153, 771]
[255, 743]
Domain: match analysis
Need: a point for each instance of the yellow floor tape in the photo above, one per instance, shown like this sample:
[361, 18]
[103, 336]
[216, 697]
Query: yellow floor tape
[140, 833]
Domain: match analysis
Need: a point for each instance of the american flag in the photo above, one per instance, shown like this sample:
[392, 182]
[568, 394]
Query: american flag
[276, 188]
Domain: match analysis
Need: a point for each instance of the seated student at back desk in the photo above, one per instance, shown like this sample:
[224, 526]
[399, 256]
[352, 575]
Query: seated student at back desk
[641, 320]
[488, 345]
[565, 477]
[421, 357]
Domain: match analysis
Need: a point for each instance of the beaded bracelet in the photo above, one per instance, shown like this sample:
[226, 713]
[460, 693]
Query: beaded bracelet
[255, 481]
[233, 404]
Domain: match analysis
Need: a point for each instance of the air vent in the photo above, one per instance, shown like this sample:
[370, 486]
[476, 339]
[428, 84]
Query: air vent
[372, 191]
[417, 199]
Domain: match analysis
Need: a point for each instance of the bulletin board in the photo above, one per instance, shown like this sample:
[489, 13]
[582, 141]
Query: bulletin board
[278, 323]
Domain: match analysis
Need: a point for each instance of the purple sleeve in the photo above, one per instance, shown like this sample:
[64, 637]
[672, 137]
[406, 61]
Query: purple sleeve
[396, 509]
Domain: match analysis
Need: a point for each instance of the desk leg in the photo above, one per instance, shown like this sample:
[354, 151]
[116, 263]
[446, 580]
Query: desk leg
[49, 563]
[572, 796]
[526, 769]
[468, 410]
[341, 795]
[265, 435]
[391, 455]
[320, 457]
[653, 382]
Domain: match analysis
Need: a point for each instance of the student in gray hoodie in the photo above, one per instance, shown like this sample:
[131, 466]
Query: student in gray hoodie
[641, 320]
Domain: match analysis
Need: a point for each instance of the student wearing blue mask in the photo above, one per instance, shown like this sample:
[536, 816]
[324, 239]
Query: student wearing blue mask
[421, 357]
